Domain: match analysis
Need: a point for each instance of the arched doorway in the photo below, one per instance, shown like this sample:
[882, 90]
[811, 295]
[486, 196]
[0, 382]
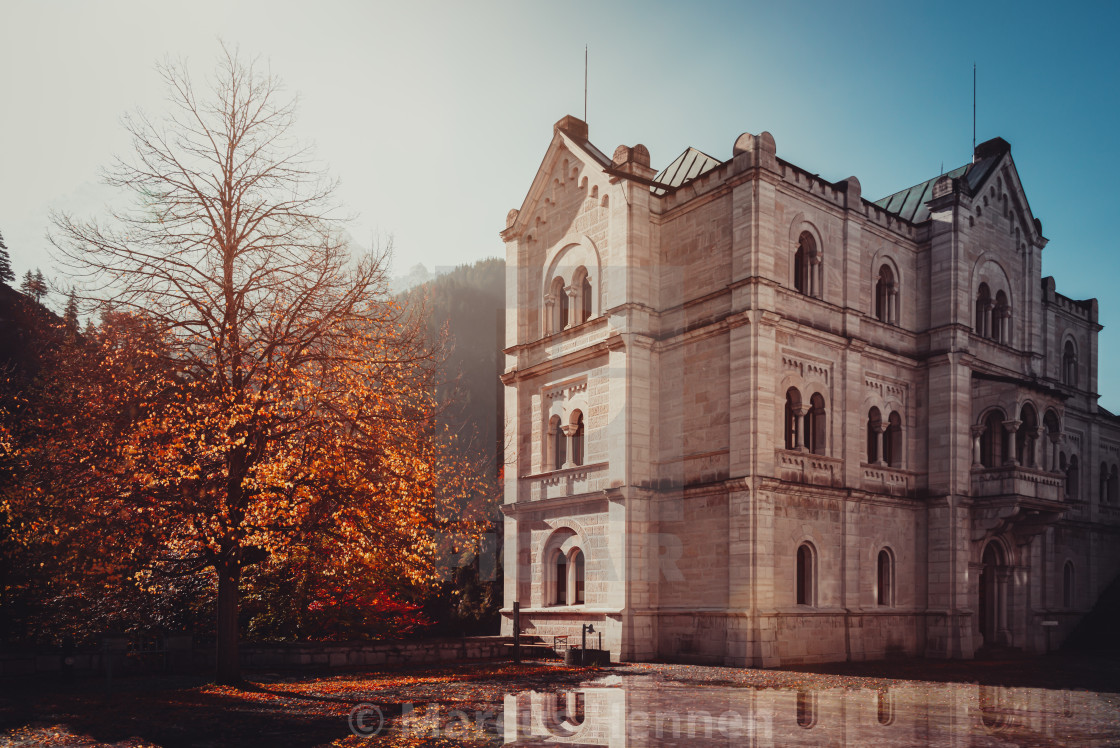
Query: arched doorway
[993, 596]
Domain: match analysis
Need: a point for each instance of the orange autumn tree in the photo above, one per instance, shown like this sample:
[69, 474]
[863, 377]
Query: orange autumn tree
[292, 402]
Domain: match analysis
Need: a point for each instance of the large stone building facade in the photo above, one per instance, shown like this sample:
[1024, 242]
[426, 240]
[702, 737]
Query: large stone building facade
[755, 419]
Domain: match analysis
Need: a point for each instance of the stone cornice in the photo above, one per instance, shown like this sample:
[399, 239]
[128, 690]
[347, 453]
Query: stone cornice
[579, 355]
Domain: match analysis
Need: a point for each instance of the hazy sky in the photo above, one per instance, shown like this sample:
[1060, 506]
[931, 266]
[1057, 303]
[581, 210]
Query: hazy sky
[435, 116]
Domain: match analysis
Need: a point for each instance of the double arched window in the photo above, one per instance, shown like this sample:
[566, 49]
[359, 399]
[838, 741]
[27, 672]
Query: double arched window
[884, 440]
[569, 577]
[569, 305]
[993, 315]
[566, 441]
[1069, 364]
[886, 296]
[806, 428]
[807, 274]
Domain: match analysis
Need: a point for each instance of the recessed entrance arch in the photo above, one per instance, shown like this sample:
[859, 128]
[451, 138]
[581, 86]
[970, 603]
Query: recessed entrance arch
[994, 581]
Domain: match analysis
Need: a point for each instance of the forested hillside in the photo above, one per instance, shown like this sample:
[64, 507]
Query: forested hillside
[466, 307]
[469, 304]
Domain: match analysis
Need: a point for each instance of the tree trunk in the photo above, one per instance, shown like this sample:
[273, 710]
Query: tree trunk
[229, 668]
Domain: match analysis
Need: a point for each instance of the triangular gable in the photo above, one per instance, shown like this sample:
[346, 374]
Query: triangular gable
[990, 158]
[569, 140]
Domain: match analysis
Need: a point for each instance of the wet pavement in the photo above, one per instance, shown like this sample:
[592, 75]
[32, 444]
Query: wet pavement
[1049, 701]
[674, 706]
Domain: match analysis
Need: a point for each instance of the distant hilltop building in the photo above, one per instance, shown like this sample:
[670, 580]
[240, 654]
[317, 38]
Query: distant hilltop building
[755, 419]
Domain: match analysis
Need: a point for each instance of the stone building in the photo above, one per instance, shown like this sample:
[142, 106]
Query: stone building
[756, 419]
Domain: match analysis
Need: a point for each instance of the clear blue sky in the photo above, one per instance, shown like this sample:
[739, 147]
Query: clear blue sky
[435, 115]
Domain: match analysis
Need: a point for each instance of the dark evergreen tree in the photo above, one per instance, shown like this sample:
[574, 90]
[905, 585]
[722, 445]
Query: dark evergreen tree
[71, 313]
[34, 285]
[6, 274]
[41, 289]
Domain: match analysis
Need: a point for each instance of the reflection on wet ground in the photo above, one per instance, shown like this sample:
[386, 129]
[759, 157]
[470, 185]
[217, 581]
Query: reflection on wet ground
[637, 710]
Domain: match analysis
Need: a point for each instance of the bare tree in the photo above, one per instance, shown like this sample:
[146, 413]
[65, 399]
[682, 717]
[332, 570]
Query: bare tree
[296, 377]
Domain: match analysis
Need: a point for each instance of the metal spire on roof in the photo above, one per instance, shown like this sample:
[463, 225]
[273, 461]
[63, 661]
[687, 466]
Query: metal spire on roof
[585, 86]
[974, 107]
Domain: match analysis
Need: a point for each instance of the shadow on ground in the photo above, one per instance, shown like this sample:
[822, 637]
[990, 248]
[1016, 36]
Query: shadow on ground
[270, 709]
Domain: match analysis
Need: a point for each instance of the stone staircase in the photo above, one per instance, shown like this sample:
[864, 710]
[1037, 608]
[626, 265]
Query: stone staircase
[533, 648]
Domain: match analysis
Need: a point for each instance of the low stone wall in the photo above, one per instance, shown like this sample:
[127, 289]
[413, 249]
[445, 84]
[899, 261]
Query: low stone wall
[283, 656]
[359, 654]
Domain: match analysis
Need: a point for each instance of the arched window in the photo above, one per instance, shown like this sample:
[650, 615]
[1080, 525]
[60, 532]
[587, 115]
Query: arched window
[885, 578]
[578, 580]
[807, 266]
[874, 429]
[884, 711]
[801, 269]
[806, 709]
[1103, 494]
[815, 427]
[1001, 319]
[556, 307]
[578, 708]
[806, 575]
[561, 579]
[1069, 364]
[1073, 483]
[991, 442]
[585, 298]
[582, 296]
[886, 296]
[565, 570]
[1053, 433]
[792, 417]
[1067, 585]
[1113, 486]
[563, 320]
[892, 441]
[983, 311]
[558, 443]
[578, 440]
[1026, 436]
